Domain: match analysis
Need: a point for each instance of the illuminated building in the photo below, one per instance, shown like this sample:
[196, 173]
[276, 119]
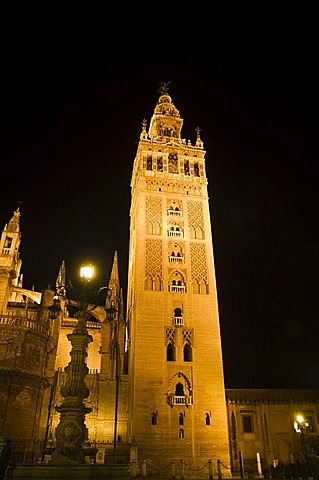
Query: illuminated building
[155, 372]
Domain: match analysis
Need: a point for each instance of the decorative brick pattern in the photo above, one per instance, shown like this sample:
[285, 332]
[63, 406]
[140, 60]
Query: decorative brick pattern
[153, 210]
[154, 256]
[170, 336]
[198, 262]
[195, 215]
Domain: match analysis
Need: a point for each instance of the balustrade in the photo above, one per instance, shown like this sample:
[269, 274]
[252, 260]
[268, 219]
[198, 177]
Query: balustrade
[177, 288]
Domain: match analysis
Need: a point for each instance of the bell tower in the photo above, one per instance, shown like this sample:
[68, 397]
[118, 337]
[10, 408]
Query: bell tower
[177, 406]
[10, 263]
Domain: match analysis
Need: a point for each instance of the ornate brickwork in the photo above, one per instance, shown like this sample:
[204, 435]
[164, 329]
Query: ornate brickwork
[170, 336]
[154, 256]
[188, 337]
[198, 262]
[153, 210]
[172, 187]
[196, 219]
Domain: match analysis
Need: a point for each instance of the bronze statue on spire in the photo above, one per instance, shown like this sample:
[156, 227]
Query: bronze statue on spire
[163, 90]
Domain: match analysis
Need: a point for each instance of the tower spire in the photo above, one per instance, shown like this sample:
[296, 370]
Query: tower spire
[14, 224]
[10, 263]
[60, 281]
[114, 283]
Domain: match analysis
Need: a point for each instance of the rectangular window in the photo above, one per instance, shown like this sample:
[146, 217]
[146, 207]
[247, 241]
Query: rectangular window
[309, 424]
[248, 424]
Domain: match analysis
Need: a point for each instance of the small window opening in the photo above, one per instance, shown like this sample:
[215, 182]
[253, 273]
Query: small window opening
[181, 418]
[8, 242]
[187, 353]
[149, 163]
[154, 418]
[248, 424]
[170, 353]
[207, 419]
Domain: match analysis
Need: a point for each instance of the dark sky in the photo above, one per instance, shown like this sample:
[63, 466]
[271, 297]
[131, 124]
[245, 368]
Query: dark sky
[73, 96]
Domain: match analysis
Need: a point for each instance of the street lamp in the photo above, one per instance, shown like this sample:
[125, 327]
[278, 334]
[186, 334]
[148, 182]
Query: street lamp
[71, 432]
[301, 425]
[86, 272]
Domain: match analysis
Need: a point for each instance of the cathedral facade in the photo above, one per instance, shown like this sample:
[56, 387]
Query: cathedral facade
[155, 371]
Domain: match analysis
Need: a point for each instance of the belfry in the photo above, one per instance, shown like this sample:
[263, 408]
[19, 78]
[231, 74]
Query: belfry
[177, 404]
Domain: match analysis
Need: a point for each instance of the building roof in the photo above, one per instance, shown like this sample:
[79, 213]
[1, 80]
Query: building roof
[247, 395]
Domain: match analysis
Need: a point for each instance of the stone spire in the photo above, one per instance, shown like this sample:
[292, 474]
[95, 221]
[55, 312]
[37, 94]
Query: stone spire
[60, 281]
[14, 223]
[113, 296]
[11, 235]
[166, 121]
[199, 142]
[10, 262]
[144, 131]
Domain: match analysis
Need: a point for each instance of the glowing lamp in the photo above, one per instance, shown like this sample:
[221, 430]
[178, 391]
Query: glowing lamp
[86, 272]
[300, 419]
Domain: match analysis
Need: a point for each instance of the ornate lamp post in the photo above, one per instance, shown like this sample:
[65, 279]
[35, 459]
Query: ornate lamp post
[301, 425]
[71, 432]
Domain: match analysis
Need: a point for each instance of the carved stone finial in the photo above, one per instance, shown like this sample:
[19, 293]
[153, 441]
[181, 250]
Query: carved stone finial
[198, 130]
[144, 123]
[163, 90]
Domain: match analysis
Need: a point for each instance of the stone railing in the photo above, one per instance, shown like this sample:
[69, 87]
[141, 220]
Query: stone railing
[180, 400]
[177, 288]
[174, 212]
[22, 322]
[178, 321]
[72, 322]
[175, 233]
[174, 259]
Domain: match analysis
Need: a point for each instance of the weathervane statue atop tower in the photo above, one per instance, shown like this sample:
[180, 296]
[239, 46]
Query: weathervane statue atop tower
[163, 90]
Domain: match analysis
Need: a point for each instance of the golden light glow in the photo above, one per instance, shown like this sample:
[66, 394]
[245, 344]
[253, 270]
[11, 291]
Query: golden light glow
[300, 419]
[87, 272]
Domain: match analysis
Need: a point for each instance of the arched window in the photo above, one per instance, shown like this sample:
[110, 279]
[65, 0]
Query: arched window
[158, 228]
[196, 169]
[170, 352]
[179, 390]
[203, 287]
[181, 418]
[196, 288]
[177, 312]
[181, 433]
[187, 353]
[207, 419]
[149, 228]
[175, 254]
[149, 163]
[160, 164]
[176, 283]
[148, 283]
[154, 418]
[158, 284]
[199, 233]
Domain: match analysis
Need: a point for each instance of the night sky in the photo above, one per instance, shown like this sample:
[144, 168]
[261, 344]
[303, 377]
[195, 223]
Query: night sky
[73, 96]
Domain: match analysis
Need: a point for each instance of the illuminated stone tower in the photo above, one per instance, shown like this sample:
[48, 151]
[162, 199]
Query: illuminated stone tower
[177, 406]
[10, 263]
